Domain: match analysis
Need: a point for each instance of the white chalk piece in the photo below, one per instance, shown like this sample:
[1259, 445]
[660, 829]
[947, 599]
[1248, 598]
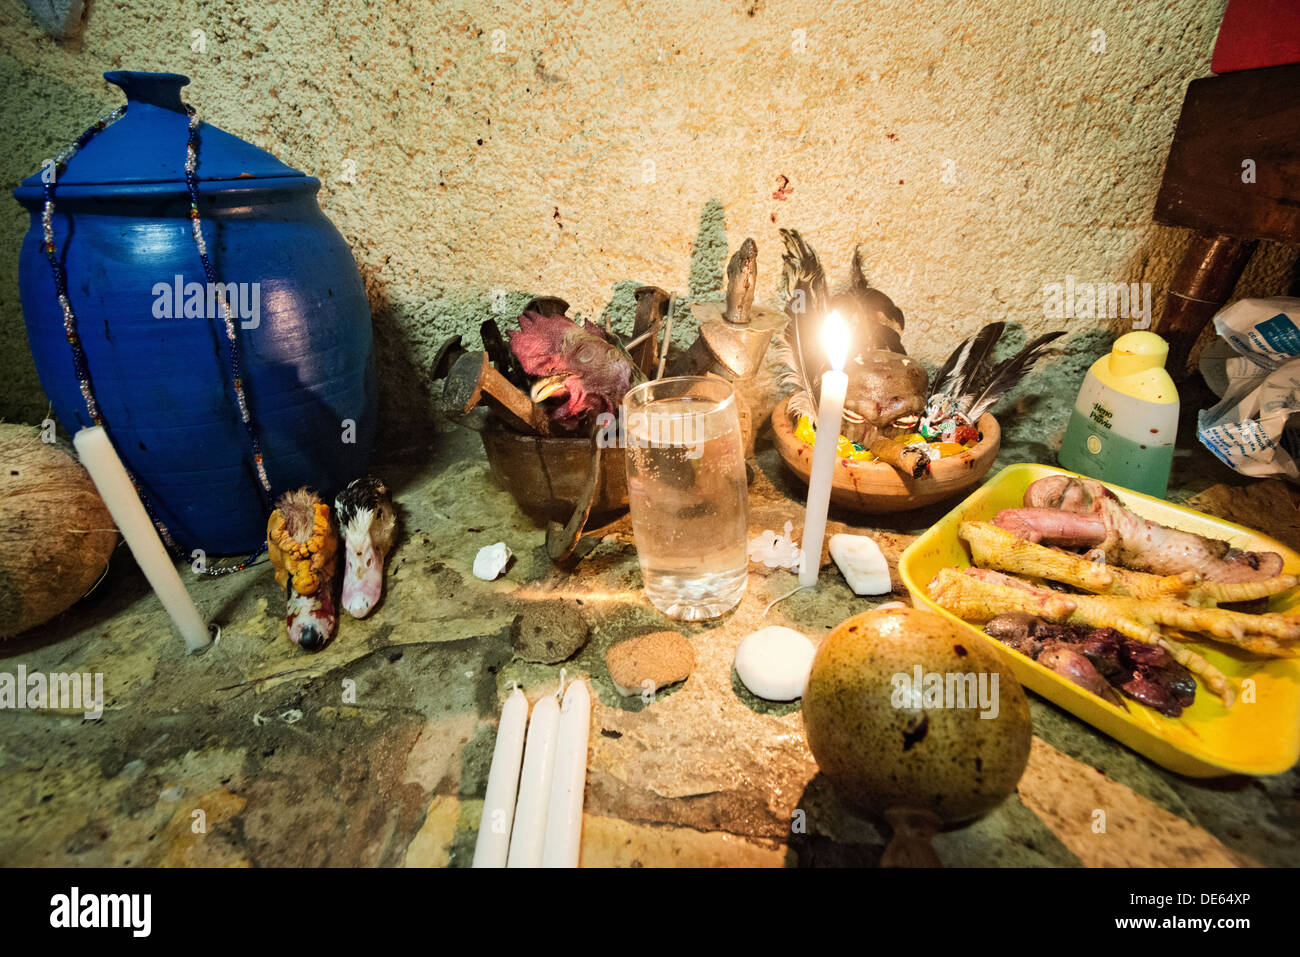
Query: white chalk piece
[491, 561]
[773, 663]
[862, 563]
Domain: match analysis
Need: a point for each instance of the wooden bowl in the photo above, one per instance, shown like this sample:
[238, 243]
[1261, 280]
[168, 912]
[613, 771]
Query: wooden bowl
[878, 488]
[546, 474]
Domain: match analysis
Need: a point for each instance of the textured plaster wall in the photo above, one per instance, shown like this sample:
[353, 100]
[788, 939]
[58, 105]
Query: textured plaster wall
[977, 150]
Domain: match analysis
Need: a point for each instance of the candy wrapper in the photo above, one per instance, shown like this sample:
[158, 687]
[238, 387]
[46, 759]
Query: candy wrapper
[1255, 368]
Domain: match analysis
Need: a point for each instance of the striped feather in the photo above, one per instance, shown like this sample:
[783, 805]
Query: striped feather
[1007, 373]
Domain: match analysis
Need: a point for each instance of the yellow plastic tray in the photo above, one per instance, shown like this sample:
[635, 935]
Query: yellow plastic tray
[1259, 737]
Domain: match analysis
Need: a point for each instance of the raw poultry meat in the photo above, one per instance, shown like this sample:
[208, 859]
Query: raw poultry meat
[1053, 526]
[992, 546]
[1100, 660]
[980, 594]
[1073, 666]
[1077, 512]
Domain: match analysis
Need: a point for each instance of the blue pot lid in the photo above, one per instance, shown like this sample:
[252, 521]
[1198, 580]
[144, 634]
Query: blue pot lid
[147, 145]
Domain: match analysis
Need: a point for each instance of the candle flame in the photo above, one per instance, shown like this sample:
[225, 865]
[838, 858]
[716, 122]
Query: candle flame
[835, 339]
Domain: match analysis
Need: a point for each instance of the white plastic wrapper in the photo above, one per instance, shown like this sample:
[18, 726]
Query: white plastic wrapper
[1255, 368]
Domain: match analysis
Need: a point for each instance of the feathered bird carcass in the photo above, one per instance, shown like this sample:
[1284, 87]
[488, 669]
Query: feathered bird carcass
[576, 362]
[535, 421]
[302, 544]
[368, 526]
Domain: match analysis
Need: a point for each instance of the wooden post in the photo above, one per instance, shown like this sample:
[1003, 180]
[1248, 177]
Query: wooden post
[1205, 278]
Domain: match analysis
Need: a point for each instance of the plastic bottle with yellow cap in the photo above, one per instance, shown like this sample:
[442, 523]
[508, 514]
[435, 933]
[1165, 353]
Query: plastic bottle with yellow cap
[1126, 417]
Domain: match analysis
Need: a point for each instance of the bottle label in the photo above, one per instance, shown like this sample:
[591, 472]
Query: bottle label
[1092, 447]
[1101, 415]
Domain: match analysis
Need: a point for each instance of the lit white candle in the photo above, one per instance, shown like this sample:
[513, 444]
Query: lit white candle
[503, 784]
[564, 818]
[109, 475]
[830, 407]
[535, 786]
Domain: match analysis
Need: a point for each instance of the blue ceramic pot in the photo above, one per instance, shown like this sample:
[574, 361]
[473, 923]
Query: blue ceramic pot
[158, 361]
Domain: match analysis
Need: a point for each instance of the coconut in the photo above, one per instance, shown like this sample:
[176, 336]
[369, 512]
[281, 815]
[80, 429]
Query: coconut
[56, 536]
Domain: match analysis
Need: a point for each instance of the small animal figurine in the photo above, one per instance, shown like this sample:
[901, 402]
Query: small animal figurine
[302, 543]
[368, 524]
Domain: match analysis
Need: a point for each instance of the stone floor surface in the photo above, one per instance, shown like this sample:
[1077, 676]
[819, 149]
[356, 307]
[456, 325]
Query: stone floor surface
[376, 750]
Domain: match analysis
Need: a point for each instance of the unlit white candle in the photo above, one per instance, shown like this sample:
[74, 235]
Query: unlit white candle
[569, 787]
[830, 407]
[529, 830]
[494, 825]
[115, 488]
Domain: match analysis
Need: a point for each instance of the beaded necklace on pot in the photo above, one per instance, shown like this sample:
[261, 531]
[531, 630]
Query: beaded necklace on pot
[79, 363]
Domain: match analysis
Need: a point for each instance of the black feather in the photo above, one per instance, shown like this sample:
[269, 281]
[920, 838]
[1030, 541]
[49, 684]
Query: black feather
[960, 376]
[857, 277]
[1007, 373]
[944, 376]
[803, 273]
[804, 361]
[874, 305]
[803, 400]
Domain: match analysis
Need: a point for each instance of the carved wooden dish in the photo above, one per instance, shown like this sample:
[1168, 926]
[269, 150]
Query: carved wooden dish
[878, 488]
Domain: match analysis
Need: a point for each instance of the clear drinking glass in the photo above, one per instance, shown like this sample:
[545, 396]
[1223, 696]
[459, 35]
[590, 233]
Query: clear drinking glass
[688, 494]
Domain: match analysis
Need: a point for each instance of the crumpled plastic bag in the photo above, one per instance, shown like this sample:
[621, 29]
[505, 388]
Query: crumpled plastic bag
[1255, 369]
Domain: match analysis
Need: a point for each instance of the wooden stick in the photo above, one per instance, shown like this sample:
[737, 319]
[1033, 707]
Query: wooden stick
[562, 540]
[651, 306]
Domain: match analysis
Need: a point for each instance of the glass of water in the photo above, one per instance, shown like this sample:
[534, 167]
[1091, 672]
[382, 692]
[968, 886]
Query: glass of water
[688, 494]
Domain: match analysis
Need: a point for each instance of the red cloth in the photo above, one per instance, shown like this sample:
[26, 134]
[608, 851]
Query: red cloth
[1256, 34]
